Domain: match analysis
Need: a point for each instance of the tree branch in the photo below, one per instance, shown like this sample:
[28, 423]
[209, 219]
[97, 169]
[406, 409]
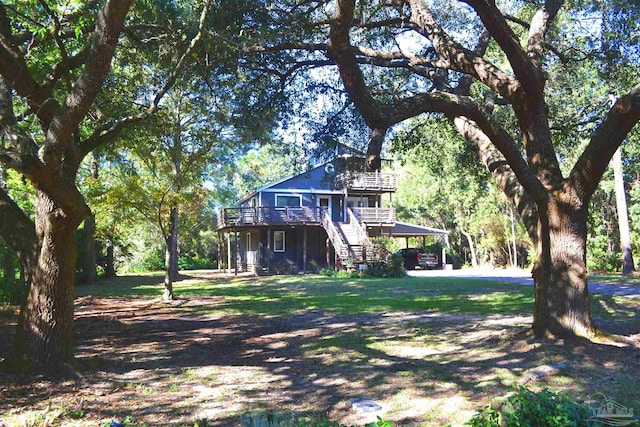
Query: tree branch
[341, 52]
[530, 77]
[458, 58]
[79, 100]
[538, 29]
[183, 59]
[108, 133]
[606, 139]
[14, 69]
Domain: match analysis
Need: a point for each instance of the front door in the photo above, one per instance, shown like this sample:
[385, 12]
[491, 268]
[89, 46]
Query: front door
[325, 202]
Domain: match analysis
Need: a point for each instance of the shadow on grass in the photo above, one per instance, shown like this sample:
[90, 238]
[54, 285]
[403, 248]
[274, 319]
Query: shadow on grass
[428, 350]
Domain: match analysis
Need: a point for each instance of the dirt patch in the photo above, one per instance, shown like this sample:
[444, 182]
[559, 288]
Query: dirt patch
[144, 362]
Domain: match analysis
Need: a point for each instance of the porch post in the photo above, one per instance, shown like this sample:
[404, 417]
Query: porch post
[328, 246]
[406, 242]
[237, 254]
[229, 251]
[219, 254]
[304, 249]
[269, 249]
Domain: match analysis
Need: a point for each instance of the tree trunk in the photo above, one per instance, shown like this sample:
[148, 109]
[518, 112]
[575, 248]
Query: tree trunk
[472, 249]
[623, 217]
[560, 275]
[171, 255]
[45, 328]
[109, 268]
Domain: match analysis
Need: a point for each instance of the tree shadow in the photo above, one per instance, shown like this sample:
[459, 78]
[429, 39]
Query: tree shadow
[168, 364]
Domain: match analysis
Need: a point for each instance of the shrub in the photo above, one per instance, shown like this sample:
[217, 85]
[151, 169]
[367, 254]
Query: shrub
[195, 262]
[526, 408]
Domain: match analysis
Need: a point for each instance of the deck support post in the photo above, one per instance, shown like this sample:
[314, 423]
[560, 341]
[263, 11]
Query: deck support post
[229, 251]
[219, 252]
[327, 244]
[269, 249]
[237, 254]
[304, 249]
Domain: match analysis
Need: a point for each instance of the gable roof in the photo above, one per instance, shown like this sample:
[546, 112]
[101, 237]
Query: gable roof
[280, 181]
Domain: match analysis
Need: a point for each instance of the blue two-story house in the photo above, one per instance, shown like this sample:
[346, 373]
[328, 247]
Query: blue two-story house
[321, 218]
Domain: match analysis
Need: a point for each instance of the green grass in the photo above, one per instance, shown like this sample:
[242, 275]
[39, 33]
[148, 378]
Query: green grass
[281, 295]
[615, 278]
[287, 294]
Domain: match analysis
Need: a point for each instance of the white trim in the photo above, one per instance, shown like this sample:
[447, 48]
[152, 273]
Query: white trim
[275, 248]
[301, 191]
[275, 200]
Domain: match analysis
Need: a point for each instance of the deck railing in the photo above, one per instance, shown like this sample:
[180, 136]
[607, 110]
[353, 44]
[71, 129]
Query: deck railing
[367, 181]
[375, 215]
[340, 246]
[237, 217]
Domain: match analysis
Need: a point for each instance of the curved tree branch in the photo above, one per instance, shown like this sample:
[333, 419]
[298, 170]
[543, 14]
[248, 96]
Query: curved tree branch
[67, 118]
[461, 59]
[538, 29]
[606, 139]
[530, 77]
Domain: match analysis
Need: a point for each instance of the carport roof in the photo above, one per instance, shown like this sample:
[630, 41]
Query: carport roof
[403, 229]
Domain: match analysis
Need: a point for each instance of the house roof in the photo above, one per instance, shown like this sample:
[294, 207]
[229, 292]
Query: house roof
[274, 183]
[316, 185]
[403, 229]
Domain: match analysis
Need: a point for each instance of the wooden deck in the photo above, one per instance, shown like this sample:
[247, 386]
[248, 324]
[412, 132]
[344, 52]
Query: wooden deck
[373, 216]
[269, 216]
[367, 181]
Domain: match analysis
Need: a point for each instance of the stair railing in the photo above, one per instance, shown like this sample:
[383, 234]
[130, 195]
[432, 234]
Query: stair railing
[363, 237]
[341, 248]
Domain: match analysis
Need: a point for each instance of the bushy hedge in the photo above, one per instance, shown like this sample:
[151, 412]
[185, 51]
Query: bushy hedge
[525, 408]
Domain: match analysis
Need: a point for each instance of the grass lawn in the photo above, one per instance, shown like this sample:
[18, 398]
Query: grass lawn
[428, 350]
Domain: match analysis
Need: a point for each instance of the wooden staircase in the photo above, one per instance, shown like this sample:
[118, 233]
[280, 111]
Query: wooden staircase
[349, 239]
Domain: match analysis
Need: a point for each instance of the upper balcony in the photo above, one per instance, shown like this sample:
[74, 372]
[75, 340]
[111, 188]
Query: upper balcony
[367, 181]
[266, 216]
[375, 216]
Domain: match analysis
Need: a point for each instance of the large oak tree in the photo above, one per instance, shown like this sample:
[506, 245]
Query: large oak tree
[55, 58]
[506, 68]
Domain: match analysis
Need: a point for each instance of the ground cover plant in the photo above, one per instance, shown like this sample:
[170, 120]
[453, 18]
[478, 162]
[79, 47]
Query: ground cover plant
[430, 351]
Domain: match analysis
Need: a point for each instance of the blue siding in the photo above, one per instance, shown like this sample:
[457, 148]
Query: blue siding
[315, 179]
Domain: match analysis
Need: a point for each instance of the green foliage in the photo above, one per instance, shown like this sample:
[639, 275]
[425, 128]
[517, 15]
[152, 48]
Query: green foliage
[525, 408]
[195, 262]
[151, 260]
[393, 267]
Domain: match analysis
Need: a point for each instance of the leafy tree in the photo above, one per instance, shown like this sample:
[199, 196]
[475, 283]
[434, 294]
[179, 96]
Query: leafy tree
[164, 173]
[55, 58]
[440, 187]
[490, 69]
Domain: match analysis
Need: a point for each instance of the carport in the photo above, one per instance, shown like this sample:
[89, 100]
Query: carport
[406, 230]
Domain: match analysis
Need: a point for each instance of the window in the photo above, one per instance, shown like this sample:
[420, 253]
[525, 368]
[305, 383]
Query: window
[283, 200]
[278, 241]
